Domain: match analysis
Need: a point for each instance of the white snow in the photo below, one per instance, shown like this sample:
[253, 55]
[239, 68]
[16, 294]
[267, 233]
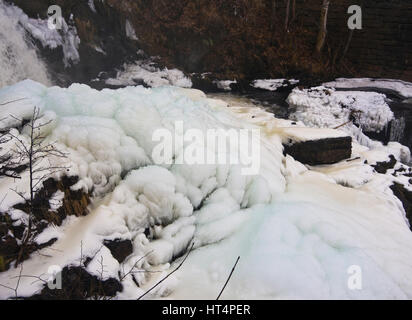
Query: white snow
[273, 84]
[130, 32]
[151, 75]
[56, 201]
[224, 84]
[296, 228]
[401, 87]
[91, 5]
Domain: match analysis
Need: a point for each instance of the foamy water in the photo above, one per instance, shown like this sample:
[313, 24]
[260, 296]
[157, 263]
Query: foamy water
[18, 58]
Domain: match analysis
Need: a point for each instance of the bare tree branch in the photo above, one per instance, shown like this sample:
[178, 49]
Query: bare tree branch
[134, 266]
[227, 281]
[177, 268]
[323, 23]
[5, 103]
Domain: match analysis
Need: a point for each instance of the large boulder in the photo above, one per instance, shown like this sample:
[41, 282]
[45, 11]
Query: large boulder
[321, 151]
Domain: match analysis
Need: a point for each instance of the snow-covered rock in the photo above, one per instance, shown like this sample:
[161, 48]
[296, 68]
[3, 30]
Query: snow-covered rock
[146, 72]
[402, 88]
[325, 107]
[273, 84]
[224, 84]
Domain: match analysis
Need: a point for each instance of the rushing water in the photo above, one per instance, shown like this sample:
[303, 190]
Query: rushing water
[18, 58]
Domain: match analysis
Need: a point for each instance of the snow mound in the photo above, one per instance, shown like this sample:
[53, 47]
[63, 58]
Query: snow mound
[403, 88]
[273, 84]
[152, 76]
[327, 108]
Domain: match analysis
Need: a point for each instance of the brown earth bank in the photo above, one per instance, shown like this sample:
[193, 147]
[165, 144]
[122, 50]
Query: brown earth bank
[243, 39]
[73, 203]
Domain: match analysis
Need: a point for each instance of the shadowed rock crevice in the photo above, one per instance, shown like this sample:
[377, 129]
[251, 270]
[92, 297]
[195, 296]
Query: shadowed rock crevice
[405, 196]
[78, 284]
[120, 249]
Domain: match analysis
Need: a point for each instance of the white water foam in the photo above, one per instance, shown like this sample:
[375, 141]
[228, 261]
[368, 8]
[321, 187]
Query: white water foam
[18, 58]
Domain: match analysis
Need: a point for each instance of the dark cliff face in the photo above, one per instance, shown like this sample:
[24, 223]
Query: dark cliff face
[102, 28]
[239, 38]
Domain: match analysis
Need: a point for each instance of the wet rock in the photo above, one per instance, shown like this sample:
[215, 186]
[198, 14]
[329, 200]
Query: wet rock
[405, 196]
[322, 151]
[120, 249]
[384, 166]
[204, 83]
[9, 249]
[18, 231]
[78, 284]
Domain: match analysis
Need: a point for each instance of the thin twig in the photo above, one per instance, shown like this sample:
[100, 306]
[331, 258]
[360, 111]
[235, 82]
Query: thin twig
[5, 103]
[342, 125]
[227, 281]
[134, 266]
[177, 268]
[18, 282]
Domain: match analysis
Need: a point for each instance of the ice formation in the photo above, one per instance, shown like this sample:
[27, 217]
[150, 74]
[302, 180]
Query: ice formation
[151, 75]
[351, 111]
[297, 229]
[130, 32]
[402, 88]
[273, 84]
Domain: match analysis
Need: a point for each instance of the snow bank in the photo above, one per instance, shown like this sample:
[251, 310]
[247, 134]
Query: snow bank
[152, 76]
[297, 230]
[273, 84]
[108, 136]
[403, 88]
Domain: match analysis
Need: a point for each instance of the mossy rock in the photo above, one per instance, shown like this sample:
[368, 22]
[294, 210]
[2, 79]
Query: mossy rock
[2, 264]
